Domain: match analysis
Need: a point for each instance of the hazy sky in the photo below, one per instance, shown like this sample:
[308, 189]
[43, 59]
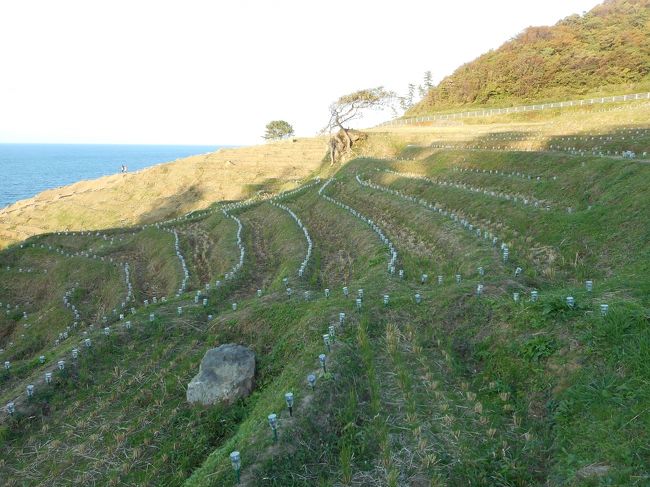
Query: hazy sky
[215, 72]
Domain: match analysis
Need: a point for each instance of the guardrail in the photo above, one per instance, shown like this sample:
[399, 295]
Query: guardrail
[524, 108]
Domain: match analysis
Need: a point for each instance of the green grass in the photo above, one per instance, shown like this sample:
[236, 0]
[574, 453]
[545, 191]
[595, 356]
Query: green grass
[458, 390]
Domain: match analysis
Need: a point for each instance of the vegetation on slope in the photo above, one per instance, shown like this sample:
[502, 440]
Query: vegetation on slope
[605, 51]
[163, 191]
[462, 388]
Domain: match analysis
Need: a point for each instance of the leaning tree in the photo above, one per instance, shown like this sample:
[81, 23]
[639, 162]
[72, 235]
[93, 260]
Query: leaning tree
[351, 107]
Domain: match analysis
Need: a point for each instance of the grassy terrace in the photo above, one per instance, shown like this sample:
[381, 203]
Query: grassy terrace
[456, 389]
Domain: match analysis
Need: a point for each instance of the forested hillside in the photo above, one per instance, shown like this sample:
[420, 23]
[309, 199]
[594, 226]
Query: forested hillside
[604, 51]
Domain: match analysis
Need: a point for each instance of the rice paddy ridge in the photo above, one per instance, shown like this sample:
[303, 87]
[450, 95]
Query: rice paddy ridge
[515, 198]
[124, 265]
[64, 335]
[454, 215]
[274, 201]
[391, 249]
[85, 343]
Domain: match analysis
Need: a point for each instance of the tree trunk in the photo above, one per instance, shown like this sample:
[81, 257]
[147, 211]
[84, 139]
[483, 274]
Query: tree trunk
[348, 139]
[332, 151]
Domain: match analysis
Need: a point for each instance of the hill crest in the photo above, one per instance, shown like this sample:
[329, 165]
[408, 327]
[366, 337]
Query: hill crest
[605, 51]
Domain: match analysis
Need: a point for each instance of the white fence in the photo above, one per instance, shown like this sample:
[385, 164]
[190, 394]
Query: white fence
[526, 108]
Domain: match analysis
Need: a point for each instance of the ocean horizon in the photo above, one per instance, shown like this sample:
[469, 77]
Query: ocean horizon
[28, 169]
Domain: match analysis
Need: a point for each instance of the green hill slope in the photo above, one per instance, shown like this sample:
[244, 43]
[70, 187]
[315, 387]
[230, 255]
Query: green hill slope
[488, 376]
[605, 51]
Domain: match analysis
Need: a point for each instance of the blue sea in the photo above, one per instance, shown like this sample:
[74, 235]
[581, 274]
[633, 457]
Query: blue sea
[28, 169]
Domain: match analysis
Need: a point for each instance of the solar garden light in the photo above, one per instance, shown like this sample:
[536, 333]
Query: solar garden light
[401, 273]
[127, 325]
[311, 380]
[205, 302]
[326, 339]
[288, 397]
[360, 293]
[273, 423]
[341, 318]
[209, 317]
[424, 278]
[30, 390]
[505, 255]
[517, 271]
[7, 365]
[234, 306]
[439, 279]
[479, 289]
[332, 333]
[235, 461]
[285, 281]
[458, 278]
[41, 359]
[570, 302]
[179, 310]
[132, 311]
[481, 271]
[322, 359]
[327, 293]
[259, 293]
[75, 354]
[534, 295]
[48, 377]
[589, 286]
[515, 297]
[107, 331]
[306, 295]
[11, 408]
[346, 291]
[358, 301]
[196, 299]
[418, 298]
[152, 316]
[604, 308]
[386, 299]
[61, 364]
[146, 302]
[87, 342]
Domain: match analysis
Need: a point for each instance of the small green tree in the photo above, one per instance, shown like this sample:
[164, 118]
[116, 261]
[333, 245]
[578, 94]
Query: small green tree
[278, 129]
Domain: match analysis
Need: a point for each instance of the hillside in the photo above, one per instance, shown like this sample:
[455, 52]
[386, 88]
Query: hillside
[162, 191]
[605, 51]
[460, 303]
[467, 365]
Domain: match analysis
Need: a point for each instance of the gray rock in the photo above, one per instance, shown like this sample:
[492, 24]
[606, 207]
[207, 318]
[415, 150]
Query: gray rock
[226, 374]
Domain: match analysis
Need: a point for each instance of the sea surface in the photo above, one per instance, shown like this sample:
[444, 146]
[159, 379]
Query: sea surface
[28, 169]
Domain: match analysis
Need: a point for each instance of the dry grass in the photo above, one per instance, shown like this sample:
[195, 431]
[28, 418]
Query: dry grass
[164, 190]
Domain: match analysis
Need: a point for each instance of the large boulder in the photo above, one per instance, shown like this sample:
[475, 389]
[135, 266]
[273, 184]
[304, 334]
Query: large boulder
[226, 374]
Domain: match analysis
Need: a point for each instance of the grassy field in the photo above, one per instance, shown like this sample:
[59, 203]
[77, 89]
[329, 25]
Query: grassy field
[163, 191]
[480, 373]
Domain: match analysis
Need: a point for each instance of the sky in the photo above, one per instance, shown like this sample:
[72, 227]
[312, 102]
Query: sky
[216, 72]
